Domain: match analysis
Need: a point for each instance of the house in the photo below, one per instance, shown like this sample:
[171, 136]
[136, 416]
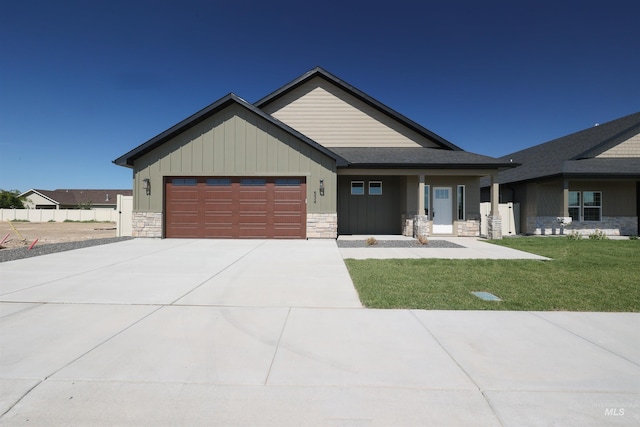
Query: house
[72, 199]
[591, 176]
[314, 159]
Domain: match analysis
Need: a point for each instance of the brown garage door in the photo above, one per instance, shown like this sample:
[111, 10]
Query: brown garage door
[259, 208]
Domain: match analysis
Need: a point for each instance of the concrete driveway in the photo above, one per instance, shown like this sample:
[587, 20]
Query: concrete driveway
[202, 332]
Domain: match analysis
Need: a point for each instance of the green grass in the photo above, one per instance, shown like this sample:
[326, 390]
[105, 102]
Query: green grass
[585, 275]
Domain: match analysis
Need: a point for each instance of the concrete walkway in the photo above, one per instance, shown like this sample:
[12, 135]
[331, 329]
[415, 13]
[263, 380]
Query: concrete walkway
[192, 332]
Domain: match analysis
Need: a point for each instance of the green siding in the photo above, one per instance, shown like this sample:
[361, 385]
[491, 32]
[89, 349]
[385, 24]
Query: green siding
[235, 142]
[369, 214]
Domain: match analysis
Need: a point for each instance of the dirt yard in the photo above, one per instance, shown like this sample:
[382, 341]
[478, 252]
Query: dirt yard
[53, 232]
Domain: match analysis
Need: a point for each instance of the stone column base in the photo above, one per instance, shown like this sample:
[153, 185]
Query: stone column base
[407, 225]
[415, 225]
[494, 228]
[421, 226]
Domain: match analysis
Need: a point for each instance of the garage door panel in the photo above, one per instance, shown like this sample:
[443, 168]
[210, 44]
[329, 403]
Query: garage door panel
[236, 208]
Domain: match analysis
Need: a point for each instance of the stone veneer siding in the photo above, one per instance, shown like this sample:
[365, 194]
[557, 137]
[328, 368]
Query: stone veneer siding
[407, 225]
[322, 226]
[494, 227]
[420, 225]
[610, 225]
[415, 225]
[147, 224]
[468, 228]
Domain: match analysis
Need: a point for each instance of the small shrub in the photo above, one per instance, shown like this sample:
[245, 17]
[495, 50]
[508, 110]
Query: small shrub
[371, 241]
[574, 235]
[633, 237]
[598, 235]
[423, 240]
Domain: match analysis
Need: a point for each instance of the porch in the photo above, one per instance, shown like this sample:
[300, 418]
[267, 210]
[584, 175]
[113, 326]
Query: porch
[423, 203]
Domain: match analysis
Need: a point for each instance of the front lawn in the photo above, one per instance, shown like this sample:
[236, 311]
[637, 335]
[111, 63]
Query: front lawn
[585, 275]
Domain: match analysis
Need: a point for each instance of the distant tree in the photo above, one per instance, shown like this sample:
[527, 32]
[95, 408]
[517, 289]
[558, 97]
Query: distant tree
[10, 199]
[85, 205]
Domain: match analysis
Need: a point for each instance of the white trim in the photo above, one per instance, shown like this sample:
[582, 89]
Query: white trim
[375, 182]
[357, 182]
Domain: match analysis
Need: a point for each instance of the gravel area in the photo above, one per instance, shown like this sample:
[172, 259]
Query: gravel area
[433, 244]
[12, 254]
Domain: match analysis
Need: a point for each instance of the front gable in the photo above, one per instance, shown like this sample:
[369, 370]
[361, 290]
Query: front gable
[336, 114]
[334, 118]
[235, 140]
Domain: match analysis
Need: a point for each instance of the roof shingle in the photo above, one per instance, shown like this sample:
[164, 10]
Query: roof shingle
[574, 154]
[417, 157]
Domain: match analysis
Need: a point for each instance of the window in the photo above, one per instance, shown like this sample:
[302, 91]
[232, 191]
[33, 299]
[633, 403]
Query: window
[357, 188]
[574, 205]
[287, 182]
[219, 182]
[587, 203]
[375, 188]
[592, 205]
[426, 200]
[441, 193]
[460, 202]
[182, 182]
[253, 182]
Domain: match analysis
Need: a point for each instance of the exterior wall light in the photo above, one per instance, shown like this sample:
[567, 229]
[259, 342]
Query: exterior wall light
[146, 185]
[322, 187]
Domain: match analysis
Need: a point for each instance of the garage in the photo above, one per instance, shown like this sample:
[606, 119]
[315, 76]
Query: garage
[235, 207]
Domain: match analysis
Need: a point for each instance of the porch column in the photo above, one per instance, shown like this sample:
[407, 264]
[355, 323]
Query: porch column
[420, 210]
[495, 222]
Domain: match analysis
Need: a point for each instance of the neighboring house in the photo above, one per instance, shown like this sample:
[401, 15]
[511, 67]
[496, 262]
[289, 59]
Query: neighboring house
[72, 199]
[314, 159]
[592, 176]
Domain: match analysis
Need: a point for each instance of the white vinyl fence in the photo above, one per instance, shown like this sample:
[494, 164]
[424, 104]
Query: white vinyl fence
[509, 214]
[124, 224]
[58, 215]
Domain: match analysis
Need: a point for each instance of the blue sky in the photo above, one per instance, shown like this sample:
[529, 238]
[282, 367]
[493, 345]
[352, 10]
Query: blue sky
[83, 82]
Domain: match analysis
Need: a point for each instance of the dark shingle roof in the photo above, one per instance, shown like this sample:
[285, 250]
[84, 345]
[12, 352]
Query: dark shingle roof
[574, 154]
[324, 74]
[418, 157]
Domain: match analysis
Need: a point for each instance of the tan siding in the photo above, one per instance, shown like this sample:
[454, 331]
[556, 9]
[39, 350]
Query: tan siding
[234, 143]
[550, 199]
[34, 199]
[618, 197]
[628, 148]
[334, 118]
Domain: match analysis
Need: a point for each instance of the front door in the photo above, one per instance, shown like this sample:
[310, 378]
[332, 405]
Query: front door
[442, 211]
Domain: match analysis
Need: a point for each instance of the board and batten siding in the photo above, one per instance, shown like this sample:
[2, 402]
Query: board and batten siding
[235, 142]
[628, 148]
[334, 118]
